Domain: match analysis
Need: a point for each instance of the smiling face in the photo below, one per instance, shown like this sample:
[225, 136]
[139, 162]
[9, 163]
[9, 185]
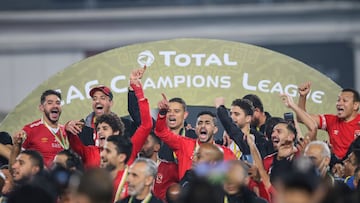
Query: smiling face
[51, 109]
[23, 168]
[176, 116]
[104, 130]
[281, 136]
[346, 107]
[101, 103]
[205, 128]
[110, 158]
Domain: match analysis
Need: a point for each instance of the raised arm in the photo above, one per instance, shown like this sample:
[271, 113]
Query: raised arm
[142, 132]
[133, 107]
[304, 90]
[258, 161]
[230, 127]
[162, 130]
[18, 139]
[302, 115]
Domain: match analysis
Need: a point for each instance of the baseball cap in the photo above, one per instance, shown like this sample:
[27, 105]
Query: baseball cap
[103, 89]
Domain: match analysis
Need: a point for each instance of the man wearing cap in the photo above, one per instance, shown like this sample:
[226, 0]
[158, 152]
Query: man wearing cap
[102, 101]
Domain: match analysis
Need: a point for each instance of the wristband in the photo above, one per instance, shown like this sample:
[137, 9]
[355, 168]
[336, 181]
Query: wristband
[163, 112]
[138, 91]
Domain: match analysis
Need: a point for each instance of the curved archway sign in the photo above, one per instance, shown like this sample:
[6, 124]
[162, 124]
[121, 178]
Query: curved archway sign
[197, 70]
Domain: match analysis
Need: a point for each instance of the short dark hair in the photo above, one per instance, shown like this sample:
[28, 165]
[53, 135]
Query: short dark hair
[270, 124]
[290, 126]
[73, 159]
[208, 113]
[96, 183]
[155, 138]
[301, 175]
[113, 120]
[355, 93]
[123, 145]
[245, 105]
[180, 101]
[47, 93]
[255, 101]
[35, 158]
[33, 193]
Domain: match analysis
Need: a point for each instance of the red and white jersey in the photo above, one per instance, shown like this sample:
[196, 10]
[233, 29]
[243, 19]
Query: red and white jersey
[121, 187]
[167, 175]
[341, 133]
[40, 138]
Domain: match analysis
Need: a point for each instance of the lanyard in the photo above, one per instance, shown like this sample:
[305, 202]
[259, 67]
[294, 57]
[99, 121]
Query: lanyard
[146, 200]
[236, 150]
[63, 140]
[226, 199]
[121, 184]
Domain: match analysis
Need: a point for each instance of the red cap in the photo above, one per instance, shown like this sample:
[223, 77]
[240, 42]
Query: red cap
[103, 89]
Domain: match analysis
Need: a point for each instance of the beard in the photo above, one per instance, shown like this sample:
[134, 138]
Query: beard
[146, 154]
[255, 123]
[109, 167]
[133, 191]
[207, 140]
[47, 114]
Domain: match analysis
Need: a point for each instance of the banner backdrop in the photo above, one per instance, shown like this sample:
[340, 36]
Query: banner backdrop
[197, 70]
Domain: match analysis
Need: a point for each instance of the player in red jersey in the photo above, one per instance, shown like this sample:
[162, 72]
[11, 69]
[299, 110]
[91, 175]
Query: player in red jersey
[167, 173]
[106, 125]
[109, 124]
[119, 151]
[45, 135]
[343, 127]
[184, 147]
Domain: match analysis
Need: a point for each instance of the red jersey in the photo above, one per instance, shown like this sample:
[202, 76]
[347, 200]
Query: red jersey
[40, 138]
[167, 175]
[183, 147]
[120, 178]
[263, 192]
[341, 133]
[268, 161]
[91, 154]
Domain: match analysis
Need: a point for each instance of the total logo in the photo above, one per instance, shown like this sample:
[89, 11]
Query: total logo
[171, 58]
[145, 58]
